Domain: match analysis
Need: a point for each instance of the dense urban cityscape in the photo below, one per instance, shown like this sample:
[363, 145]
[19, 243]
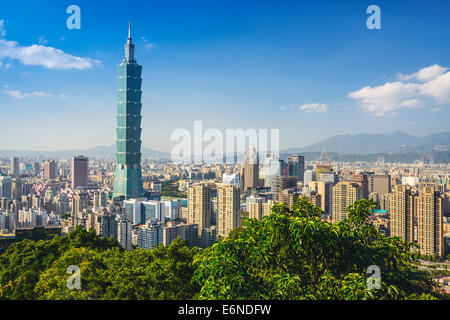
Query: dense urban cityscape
[249, 225]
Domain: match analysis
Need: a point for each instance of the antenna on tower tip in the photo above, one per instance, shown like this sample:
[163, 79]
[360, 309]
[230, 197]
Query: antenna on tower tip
[129, 29]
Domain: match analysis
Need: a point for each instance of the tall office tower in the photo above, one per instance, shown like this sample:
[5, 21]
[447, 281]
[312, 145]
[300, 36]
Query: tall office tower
[362, 180]
[310, 175]
[6, 187]
[199, 206]
[429, 222]
[402, 213]
[128, 175]
[297, 166]
[228, 209]
[379, 183]
[16, 188]
[14, 166]
[50, 169]
[80, 171]
[344, 194]
[325, 191]
[250, 170]
[124, 233]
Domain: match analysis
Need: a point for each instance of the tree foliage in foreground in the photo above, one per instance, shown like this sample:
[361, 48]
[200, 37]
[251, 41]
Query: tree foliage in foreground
[290, 254]
[293, 254]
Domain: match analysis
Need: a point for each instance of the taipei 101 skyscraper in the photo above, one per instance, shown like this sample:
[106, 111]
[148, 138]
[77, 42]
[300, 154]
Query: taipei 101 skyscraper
[128, 175]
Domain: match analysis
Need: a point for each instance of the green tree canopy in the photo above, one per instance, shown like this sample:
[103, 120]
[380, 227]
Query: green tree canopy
[293, 254]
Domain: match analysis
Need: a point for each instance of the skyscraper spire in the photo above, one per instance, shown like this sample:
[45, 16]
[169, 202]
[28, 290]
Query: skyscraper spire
[129, 46]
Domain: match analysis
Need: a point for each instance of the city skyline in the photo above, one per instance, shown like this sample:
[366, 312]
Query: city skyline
[287, 66]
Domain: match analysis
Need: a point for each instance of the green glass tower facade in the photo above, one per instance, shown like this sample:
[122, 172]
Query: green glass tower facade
[128, 175]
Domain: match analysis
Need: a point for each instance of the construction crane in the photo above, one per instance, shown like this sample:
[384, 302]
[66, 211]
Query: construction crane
[286, 170]
[322, 167]
[326, 155]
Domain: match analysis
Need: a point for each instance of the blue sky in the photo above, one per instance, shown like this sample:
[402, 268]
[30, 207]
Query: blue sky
[310, 69]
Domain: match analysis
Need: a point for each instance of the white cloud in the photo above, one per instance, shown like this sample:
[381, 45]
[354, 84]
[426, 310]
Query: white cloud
[48, 57]
[2, 28]
[17, 94]
[425, 74]
[314, 107]
[390, 97]
[282, 107]
[435, 109]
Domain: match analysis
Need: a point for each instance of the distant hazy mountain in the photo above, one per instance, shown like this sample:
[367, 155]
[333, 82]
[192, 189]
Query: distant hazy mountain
[96, 152]
[394, 142]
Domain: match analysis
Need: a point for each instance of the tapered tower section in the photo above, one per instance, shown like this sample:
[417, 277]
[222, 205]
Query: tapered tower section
[128, 175]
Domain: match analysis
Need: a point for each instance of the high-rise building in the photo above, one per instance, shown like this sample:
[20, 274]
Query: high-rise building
[14, 166]
[289, 196]
[105, 224]
[379, 183]
[402, 213]
[255, 207]
[362, 180]
[80, 171]
[208, 237]
[250, 170]
[153, 210]
[325, 190]
[133, 210]
[310, 175]
[79, 203]
[128, 175]
[313, 197]
[124, 233]
[100, 199]
[281, 183]
[150, 235]
[344, 194]
[187, 232]
[16, 188]
[199, 206]
[297, 166]
[6, 187]
[50, 169]
[430, 222]
[382, 200]
[228, 209]
[329, 177]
